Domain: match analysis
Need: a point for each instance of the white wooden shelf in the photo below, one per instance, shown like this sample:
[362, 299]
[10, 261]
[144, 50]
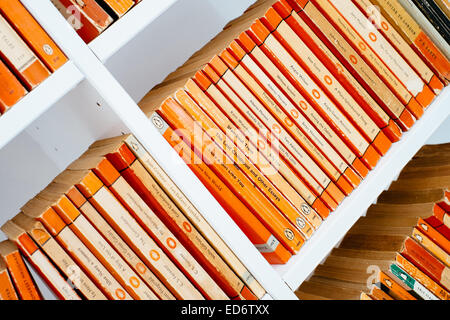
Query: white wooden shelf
[94, 96]
[355, 205]
[128, 27]
[38, 101]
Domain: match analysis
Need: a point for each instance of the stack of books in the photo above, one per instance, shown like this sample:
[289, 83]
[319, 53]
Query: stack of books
[27, 54]
[113, 225]
[401, 249]
[90, 18]
[302, 103]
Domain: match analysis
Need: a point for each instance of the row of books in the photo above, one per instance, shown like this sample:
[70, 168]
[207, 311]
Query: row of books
[16, 281]
[27, 54]
[91, 17]
[113, 225]
[302, 103]
[401, 249]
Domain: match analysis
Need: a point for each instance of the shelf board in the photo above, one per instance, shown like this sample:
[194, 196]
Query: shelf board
[38, 101]
[127, 27]
[355, 205]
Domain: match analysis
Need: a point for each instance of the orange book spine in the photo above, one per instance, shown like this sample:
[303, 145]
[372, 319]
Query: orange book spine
[40, 262]
[76, 249]
[11, 90]
[7, 291]
[152, 225]
[428, 227]
[144, 184]
[348, 82]
[444, 204]
[278, 129]
[113, 262]
[120, 245]
[370, 56]
[426, 262]
[301, 105]
[203, 91]
[218, 161]
[351, 59]
[239, 159]
[395, 290]
[396, 40]
[68, 267]
[83, 25]
[274, 147]
[326, 80]
[23, 282]
[301, 129]
[221, 122]
[36, 38]
[316, 97]
[257, 233]
[416, 37]
[426, 281]
[391, 58]
[19, 57]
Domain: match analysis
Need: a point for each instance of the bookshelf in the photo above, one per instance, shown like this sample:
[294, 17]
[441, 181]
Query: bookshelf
[94, 96]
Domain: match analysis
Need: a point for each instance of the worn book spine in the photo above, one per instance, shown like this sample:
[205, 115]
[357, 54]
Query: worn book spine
[265, 186]
[270, 215]
[254, 229]
[11, 90]
[403, 48]
[24, 284]
[137, 238]
[36, 38]
[104, 280]
[194, 216]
